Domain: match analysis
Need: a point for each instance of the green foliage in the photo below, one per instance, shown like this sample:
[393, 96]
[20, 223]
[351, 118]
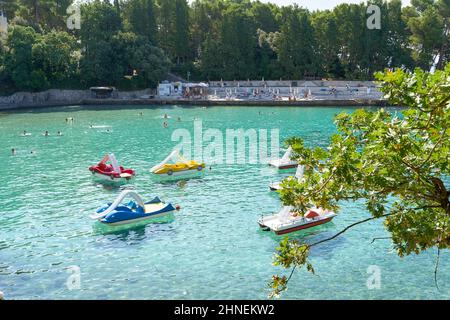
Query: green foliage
[53, 54]
[398, 164]
[295, 45]
[19, 57]
[140, 18]
[231, 39]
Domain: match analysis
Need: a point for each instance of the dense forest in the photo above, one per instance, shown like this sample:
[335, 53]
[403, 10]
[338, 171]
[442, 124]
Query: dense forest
[135, 43]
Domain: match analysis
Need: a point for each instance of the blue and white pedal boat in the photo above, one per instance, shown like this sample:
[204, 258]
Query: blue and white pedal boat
[117, 213]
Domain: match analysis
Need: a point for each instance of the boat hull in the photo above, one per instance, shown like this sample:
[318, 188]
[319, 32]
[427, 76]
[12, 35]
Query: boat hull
[302, 227]
[107, 178]
[287, 166]
[275, 187]
[179, 174]
[281, 224]
[130, 221]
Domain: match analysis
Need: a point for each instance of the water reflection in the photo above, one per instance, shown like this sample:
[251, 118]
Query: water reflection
[135, 231]
[310, 236]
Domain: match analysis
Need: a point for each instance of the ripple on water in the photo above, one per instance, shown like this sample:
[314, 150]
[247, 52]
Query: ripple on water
[211, 249]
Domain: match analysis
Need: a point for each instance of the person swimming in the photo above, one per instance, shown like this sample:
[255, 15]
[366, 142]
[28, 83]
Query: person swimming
[179, 119]
[59, 133]
[13, 151]
[165, 124]
[46, 134]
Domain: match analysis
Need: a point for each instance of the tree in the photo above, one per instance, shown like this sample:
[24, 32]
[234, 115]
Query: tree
[150, 63]
[19, 59]
[139, 16]
[350, 36]
[396, 163]
[296, 44]
[328, 49]
[181, 48]
[53, 53]
[100, 64]
[430, 27]
[230, 54]
[167, 26]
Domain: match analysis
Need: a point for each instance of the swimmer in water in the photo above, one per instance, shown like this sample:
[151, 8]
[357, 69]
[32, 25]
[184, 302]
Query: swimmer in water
[60, 133]
[179, 119]
[165, 125]
[141, 114]
[46, 134]
[33, 152]
[166, 116]
[13, 151]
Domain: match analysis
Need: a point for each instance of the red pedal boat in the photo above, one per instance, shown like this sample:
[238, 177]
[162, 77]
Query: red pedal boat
[112, 172]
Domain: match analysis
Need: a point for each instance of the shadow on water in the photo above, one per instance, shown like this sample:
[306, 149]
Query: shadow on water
[312, 235]
[135, 231]
[110, 186]
[180, 182]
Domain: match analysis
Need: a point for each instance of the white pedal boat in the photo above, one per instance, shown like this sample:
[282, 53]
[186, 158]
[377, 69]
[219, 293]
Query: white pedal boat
[285, 162]
[276, 186]
[287, 221]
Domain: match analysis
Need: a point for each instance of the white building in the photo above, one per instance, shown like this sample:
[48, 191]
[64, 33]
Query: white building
[170, 89]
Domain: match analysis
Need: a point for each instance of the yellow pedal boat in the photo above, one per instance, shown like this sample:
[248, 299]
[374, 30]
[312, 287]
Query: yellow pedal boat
[179, 168]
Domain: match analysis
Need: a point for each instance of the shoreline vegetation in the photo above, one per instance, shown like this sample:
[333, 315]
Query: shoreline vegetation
[135, 44]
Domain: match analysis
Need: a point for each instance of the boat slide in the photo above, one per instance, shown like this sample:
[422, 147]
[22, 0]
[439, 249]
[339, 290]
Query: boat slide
[276, 186]
[285, 162]
[113, 206]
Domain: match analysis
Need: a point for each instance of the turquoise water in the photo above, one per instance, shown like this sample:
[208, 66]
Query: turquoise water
[212, 249]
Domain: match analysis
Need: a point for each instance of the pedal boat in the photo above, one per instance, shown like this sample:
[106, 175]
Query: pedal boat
[287, 220]
[112, 172]
[180, 168]
[276, 186]
[284, 162]
[117, 213]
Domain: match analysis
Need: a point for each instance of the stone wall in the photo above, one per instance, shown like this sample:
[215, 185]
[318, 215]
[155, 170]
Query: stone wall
[45, 98]
[55, 97]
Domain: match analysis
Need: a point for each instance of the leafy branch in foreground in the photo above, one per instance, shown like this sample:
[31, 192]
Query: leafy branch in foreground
[379, 156]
